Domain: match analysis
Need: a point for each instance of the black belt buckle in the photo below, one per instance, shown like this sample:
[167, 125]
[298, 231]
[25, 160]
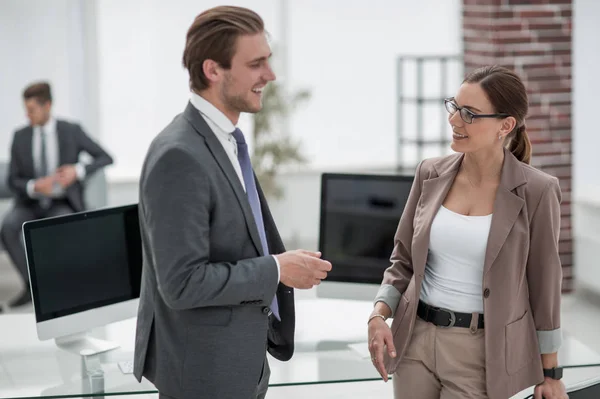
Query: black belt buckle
[452, 317]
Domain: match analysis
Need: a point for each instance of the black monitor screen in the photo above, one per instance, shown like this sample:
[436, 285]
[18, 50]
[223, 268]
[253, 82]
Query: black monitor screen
[85, 260]
[359, 218]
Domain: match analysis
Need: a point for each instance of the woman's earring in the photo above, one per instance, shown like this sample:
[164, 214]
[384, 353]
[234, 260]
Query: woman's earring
[499, 137]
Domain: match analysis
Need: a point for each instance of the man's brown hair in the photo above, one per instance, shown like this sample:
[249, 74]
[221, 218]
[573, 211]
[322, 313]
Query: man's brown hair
[213, 36]
[40, 91]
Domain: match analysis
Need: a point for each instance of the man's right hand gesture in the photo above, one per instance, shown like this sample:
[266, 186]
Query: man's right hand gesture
[302, 269]
[44, 185]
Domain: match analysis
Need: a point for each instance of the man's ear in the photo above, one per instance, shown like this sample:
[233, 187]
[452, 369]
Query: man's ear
[212, 70]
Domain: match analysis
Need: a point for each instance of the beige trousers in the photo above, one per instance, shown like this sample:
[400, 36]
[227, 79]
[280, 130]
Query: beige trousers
[442, 363]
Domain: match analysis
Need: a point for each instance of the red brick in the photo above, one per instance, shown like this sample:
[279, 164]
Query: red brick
[545, 26]
[514, 25]
[566, 13]
[556, 38]
[539, 65]
[536, 14]
[503, 14]
[475, 15]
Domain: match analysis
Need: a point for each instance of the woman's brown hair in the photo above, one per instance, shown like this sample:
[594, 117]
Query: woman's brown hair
[213, 36]
[508, 95]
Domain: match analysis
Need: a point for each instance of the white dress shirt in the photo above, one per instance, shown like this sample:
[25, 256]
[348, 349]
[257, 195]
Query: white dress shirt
[52, 158]
[223, 129]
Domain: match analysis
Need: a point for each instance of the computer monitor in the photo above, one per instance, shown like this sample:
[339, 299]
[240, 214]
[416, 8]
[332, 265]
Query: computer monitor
[359, 217]
[85, 272]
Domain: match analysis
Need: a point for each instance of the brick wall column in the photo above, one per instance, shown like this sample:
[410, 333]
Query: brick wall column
[533, 37]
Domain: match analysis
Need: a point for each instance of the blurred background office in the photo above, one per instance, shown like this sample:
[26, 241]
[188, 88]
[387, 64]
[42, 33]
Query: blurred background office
[367, 79]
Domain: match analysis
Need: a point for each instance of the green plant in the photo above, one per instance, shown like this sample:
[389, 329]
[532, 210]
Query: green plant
[274, 148]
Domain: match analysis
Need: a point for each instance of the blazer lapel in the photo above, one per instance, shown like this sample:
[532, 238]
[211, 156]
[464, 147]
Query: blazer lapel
[28, 151]
[218, 152]
[507, 207]
[61, 143]
[433, 194]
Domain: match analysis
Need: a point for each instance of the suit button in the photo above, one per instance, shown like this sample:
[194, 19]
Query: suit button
[486, 293]
[266, 310]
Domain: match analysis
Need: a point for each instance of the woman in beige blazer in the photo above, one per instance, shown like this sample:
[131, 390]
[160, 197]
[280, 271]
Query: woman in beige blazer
[475, 282]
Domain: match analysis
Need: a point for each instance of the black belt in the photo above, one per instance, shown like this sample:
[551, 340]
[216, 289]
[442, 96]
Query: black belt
[446, 318]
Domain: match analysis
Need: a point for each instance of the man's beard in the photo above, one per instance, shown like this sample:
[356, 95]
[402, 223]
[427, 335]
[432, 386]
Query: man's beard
[235, 102]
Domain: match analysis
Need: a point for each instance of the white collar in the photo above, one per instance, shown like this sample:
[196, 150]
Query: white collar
[211, 112]
[49, 127]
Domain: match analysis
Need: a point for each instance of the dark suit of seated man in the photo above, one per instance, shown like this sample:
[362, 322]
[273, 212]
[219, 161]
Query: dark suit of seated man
[44, 173]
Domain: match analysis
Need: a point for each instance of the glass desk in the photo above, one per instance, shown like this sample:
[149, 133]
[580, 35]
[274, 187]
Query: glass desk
[30, 368]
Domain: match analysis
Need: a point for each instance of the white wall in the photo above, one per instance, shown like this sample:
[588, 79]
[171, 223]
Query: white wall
[344, 53]
[586, 89]
[142, 82]
[586, 143]
[43, 40]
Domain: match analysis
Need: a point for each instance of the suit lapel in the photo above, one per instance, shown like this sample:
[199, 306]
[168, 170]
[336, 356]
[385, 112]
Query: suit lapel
[507, 207]
[28, 151]
[61, 143]
[218, 152]
[433, 194]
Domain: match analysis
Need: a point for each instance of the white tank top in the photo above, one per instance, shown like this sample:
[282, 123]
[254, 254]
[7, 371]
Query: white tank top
[454, 268]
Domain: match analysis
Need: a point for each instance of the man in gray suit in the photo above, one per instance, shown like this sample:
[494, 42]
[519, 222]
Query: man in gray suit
[217, 284]
[45, 174]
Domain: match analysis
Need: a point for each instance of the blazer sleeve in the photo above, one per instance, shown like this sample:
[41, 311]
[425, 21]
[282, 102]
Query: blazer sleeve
[544, 270]
[101, 158]
[398, 275]
[176, 198]
[15, 180]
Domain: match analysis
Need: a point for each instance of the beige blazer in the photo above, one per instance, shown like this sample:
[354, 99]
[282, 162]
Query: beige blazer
[522, 270]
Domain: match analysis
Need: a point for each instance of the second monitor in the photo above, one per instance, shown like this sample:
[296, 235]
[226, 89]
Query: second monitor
[359, 218]
[85, 272]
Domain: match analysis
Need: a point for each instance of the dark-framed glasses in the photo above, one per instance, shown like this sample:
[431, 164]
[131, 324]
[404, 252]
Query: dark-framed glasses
[467, 115]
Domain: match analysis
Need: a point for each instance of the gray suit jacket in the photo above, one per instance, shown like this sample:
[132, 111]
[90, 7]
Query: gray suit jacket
[203, 323]
[72, 141]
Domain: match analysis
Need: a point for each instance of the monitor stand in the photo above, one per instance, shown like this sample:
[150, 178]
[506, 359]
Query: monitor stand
[76, 343]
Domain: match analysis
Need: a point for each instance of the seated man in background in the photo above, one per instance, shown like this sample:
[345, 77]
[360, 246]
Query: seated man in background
[44, 173]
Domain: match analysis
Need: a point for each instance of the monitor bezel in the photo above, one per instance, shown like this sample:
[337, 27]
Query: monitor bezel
[58, 220]
[325, 177]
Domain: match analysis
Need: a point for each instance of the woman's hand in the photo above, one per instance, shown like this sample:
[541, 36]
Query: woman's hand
[550, 389]
[380, 339]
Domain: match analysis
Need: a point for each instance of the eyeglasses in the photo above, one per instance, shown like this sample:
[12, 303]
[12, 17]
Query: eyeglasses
[465, 114]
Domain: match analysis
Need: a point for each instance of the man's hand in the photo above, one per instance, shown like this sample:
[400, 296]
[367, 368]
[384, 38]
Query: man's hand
[302, 269]
[44, 185]
[66, 175]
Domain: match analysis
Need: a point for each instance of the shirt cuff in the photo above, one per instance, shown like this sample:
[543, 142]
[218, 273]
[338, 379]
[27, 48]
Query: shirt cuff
[549, 341]
[80, 170]
[389, 295]
[31, 189]
[278, 268]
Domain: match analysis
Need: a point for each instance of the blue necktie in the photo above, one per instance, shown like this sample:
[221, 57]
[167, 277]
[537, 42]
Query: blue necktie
[252, 193]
